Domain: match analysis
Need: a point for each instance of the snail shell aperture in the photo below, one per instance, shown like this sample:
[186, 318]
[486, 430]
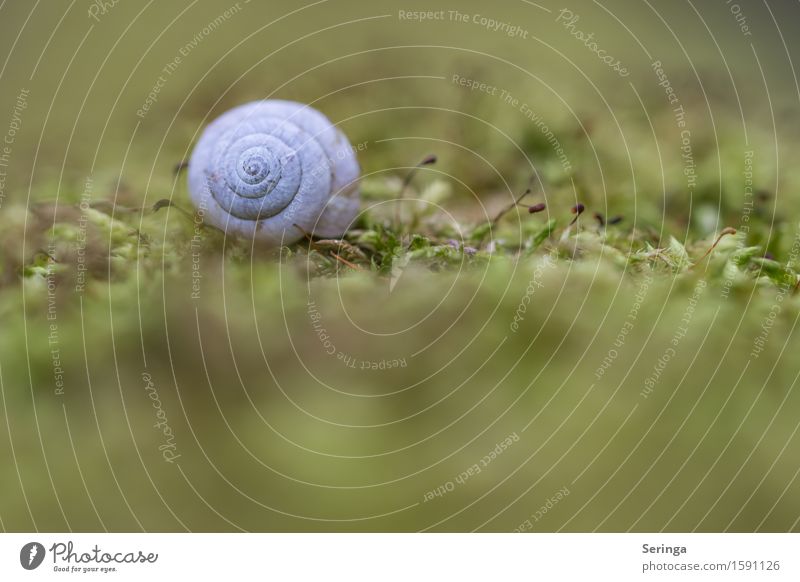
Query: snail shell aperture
[263, 167]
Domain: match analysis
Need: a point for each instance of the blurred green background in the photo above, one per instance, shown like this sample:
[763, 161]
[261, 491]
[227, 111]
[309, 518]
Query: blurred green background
[270, 432]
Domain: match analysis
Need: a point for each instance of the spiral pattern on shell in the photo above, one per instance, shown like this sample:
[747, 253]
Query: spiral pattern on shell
[263, 167]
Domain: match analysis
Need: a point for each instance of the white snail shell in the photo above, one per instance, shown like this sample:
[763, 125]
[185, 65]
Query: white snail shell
[263, 167]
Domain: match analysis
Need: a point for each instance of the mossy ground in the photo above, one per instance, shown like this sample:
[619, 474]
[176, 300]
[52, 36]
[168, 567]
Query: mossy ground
[252, 393]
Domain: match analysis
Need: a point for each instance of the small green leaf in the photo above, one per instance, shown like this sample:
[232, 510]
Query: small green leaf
[543, 234]
[677, 252]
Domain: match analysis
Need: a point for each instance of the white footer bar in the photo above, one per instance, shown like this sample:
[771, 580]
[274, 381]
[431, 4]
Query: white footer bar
[401, 557]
